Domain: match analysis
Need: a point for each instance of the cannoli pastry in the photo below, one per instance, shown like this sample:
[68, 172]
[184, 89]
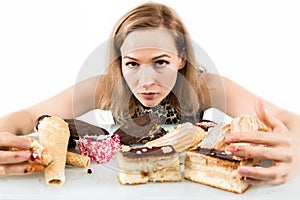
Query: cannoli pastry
[246, 122]
[182, 137]
[54, 135]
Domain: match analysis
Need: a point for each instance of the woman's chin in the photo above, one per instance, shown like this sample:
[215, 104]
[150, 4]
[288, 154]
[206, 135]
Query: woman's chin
[149, 103]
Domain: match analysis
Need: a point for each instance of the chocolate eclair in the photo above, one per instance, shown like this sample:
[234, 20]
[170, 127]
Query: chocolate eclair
[141, 130]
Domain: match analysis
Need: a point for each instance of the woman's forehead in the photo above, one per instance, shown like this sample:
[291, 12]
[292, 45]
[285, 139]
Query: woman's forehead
[149, 39]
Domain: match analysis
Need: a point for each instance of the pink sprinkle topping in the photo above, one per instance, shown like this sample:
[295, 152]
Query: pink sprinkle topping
[99, 149]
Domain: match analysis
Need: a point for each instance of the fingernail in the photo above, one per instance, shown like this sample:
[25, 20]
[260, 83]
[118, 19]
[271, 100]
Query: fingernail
[231, 148]
[33, 168]
[228, 152]
[266, 111]
[243, 171]
[260, 101]
[2, 171]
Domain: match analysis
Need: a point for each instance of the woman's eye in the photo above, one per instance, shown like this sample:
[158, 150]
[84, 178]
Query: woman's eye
[161, 63]
[132, 64]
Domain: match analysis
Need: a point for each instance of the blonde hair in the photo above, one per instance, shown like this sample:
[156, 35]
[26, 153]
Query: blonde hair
[151, 15]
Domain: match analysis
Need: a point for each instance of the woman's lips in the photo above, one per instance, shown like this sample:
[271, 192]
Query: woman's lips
[148, 95]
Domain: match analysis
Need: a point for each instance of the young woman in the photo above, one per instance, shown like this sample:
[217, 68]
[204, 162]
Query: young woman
[152, 68]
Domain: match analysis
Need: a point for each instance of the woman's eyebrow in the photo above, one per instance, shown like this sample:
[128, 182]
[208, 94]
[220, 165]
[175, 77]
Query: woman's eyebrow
[160, 56]
[154, 58]
[128, 57]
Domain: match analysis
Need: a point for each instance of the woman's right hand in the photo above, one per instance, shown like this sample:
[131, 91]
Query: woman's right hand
[14, 162]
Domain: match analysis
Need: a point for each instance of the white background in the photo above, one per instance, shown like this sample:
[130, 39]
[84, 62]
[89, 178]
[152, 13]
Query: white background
[43, 44]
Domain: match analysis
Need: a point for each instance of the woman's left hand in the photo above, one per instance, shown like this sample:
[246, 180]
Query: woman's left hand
[278, 145]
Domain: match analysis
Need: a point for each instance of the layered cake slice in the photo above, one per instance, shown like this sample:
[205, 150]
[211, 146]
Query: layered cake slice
[148, 164]
[214, 168]
[210, 165]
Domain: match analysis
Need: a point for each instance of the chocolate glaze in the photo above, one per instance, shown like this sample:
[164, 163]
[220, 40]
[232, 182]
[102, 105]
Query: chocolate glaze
[205, 124]
[216, 153]
[77, 128]
[141, 130]
[80, 128]
[37, 122]
[154, 151]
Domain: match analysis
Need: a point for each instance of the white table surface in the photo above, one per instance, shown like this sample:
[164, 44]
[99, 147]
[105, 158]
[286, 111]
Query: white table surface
[103, 184]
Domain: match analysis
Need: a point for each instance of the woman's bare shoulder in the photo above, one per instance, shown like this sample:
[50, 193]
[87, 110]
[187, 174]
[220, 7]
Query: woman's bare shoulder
[213, 80]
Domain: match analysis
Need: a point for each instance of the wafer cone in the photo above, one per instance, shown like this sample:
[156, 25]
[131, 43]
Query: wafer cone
[182, 138]
[77, 160]
[54, 135]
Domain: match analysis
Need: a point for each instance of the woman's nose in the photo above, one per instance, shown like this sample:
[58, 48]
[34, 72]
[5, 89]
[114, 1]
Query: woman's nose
[146, 76]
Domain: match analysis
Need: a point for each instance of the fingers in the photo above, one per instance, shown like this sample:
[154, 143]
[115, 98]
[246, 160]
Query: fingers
[7, 157]
[264, 138]
[265, 182]
[262, 176]
[11, 140]
[22, 169]
[266, 118]
[259, 152]
[261, 112]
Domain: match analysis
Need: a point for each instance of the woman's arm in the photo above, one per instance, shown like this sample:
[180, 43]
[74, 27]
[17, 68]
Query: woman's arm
[291, 120]
[70, 103]
[239, 101]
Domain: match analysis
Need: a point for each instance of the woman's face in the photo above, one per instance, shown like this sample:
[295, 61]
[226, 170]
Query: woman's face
[150, 63]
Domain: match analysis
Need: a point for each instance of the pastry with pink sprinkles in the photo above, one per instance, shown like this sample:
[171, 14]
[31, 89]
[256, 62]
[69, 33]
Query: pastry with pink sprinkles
[100, 148]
